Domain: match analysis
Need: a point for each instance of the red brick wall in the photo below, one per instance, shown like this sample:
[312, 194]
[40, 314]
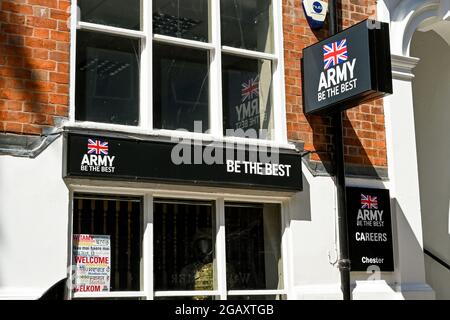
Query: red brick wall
[364, 132]
[34, 64]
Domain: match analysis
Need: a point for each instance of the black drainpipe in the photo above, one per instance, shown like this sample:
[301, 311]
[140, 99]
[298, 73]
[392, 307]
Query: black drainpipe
[339, 166]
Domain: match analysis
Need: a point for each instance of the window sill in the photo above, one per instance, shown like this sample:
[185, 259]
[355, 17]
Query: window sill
[108, 295]
[174, 135]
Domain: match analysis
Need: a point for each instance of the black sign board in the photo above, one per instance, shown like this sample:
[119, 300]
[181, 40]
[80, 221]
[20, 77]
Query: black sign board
[115, 158]
[347, 69]
[369, 229]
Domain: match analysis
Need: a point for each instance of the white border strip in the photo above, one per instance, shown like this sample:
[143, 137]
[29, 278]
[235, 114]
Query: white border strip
[175, 134]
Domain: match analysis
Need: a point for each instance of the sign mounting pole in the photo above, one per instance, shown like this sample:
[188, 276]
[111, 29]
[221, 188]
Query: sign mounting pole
[339, 166]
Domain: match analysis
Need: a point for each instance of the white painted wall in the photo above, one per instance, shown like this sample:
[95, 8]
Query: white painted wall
[34, 212]
[405, 17]
[33, 224]
[438, 278]
[314, 246]
[313, 235]
[313, 213]
[432, 121]
[34, 209]
[405, 204]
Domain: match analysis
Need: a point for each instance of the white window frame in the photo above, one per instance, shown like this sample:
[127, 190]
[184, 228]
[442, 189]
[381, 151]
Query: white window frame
[148, 195]
[215, 48]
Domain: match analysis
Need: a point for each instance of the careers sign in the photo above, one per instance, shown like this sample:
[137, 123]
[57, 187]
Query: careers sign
[369, 230]
[349, 68]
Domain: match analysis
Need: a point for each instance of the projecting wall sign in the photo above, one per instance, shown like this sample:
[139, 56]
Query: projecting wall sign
[369, 229]
[113, 158]
[349, 68]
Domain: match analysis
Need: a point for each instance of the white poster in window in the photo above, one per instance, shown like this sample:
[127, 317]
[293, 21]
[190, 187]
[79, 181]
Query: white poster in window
[92, 260]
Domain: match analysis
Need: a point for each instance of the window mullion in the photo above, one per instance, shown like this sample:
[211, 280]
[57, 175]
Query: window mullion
[221, 249]
[74, 18]
[278, 91]
[215, 95]
[72, 267]
[286, 246]
[146, 83]
[148, 247]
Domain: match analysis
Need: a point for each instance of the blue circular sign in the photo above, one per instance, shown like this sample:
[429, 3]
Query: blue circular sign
[317, 6]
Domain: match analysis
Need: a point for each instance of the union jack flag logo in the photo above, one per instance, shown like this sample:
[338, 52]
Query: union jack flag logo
[250, 89]
[335, 53]
[97, 147]
[369, 202]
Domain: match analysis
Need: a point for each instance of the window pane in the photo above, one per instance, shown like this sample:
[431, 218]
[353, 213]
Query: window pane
[118, 219]
[183, 246]
[253, 246]
[107, 79]
[247, 99]
[116, 13]
[247, 24]
[181, 88]
[186, 19]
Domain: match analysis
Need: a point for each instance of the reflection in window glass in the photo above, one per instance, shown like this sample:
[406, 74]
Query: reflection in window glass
[247, 101]
[187, 19]
[253, 247]
[181, 89]
[119, 218]
[107, 79]
[184, 246]
[115, 13]
[247, 24]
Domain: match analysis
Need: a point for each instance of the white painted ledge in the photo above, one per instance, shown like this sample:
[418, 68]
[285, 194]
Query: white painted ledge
[417, 291]
[20, 293]
[365, 290]
[317, 292]
[175, 135]
[375, 290]
[402, 67]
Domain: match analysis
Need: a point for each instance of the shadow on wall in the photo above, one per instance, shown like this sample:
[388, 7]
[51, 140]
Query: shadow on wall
[357, 159]
[56, 292]
[304, 211]
[26, 71]
[1, 233]
[323, 133]
[408, 278]
[408, 254]
[432, 116]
